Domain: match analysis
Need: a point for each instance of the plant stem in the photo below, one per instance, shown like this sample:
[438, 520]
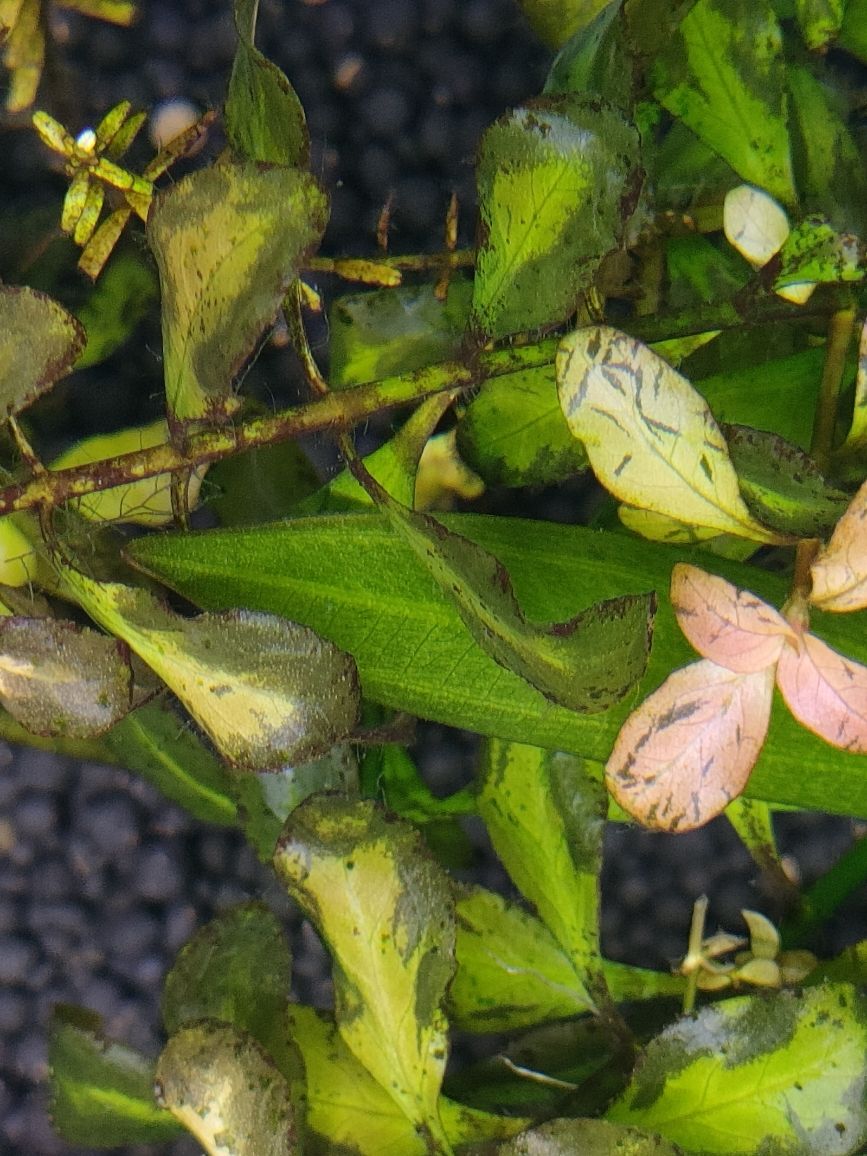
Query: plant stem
[840, 330]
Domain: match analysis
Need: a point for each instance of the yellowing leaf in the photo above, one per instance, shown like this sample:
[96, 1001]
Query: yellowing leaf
[840, 571]
[688, 750]
[267, 691]
[754, 223]
[826, 692]
[650, 437]
[148, 502]
[731, 627]
[39, 342]
[228, 241]
[385, 910]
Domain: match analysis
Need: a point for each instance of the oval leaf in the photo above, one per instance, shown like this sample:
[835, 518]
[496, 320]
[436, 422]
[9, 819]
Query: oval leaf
[393, 957]
[826, 692]
[754, 224]
[651, 438]
[688, 750]
[557, 180]
[731, 627]
[788, 1068]
[58, 678]
[228, 241]
[225, 1090]
[39, 343]
[266, 691]
[840, 571]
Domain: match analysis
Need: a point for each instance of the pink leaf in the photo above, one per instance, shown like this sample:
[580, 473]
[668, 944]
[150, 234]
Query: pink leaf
[826, 693]
[688, 750]
[731, 627]
[840, 571]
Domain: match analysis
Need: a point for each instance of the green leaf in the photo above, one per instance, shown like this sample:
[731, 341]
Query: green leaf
[414, 655]
[589, 1137]
[782, 485]
[595, 61]
[59, 678]
[788, 1068]
[119, 300]
[722, 73]
[828, 162]
[586, 663]
[814, 252]
[264, 117]
[236, 969]
[265, 690]
[556, 20]
[261, 485]
[219, 1083]
[395, 778]
[557, 179]
[853, 34]
[651, 439]
[101, 1092]
[348, 1111]
[511, 971]
[513, 432]
[857, 435]
[699, 273]
[39, 343]
[819, 21]
[388, 331]
[227, 248]
[525, 790]
[393, 958]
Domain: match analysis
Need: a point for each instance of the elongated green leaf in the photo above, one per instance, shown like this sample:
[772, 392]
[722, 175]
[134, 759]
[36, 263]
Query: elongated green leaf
[101, 1092]
[587, 663]
[236, 969]
[722, 74]
[511, 971]
[39, 342]
[265, 690]
[557, 181]
[589, 1137]
[525, 790]
[58, 678]
[414, 654]
[782, 485]
[595, 61]
[390, 331]
[788, 1068]
[514, 433]
[393, 958]
[651, 439]
[556, 20]
[264, 117]
[857, 435]
[228, 241]
[219, 1083]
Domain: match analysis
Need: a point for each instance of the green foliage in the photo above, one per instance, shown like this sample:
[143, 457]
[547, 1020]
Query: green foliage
[699, 358]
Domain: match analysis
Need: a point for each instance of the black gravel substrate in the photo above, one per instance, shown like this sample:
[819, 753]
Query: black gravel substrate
[101, 880]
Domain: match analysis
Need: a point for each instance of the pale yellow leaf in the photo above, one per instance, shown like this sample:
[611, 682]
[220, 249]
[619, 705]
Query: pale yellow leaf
[840, 571]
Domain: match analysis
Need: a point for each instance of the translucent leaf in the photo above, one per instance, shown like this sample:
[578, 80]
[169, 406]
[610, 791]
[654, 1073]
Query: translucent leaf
[722, 73]
[589, 1137]
[557, 181]
[525, 790]
[651, 438]
[39, 342]
[511, 971]
[840, 571]
[513, 432]
[394, 955]
[145, 503]
[784, 1067]
[782, 485]
[732, 627]
[58, 678]
[20, 563]
[225, 1090]
[264, 117]
[101, 1092]
[556, 20]
[825, 692]
[754, 223]
[688, 750]
[228, 241]
[265, 690]
[236, 969]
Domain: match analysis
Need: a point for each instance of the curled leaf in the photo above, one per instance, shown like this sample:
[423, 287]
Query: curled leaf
[688, 750]
[651, 438]
[826, 692]
[840, 571]
[731, 627]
